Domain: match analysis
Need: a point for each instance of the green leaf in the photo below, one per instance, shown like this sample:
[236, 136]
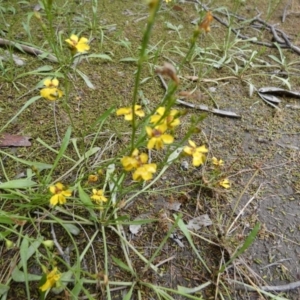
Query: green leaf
[39, 166]
[63, 147]
[3, 289]
[23, 254]
[86, 79]
[102, 56]
[19, 276]
[72, 228]
[31, 250]
[10, 218]
[248, 242]
[128, 296]
[128, 59]
[122, 265]
[186, 290]
[105, 115]
[44, 69]
[17, 184]
[84, 197]
[187, 234]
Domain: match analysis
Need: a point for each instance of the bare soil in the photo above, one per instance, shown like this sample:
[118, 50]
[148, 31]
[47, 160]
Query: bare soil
[260, 149]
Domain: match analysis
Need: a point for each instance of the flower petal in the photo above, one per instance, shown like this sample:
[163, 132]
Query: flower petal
[151, 143]
[192, 143]
[47, 82]
[55, 82]
[188, 150]
[123, 111]
[74, 38]
[54, 200]
[167, 138]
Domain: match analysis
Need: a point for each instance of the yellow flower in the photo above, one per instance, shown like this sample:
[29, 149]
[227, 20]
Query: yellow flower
[217, 162]
[132, 162]
[167, 1]
[198, 153]
[158, 137]
[51, 91]
[77, 45]
[145, 172]
[206, 22]
[225, 183]
[52, 278]
[171, 120]
[60, 194]
[93, 178]
[98, 196]
[138, 162]
[127, 112]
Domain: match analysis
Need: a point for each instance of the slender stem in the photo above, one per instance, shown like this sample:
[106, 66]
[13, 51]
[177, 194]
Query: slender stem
[105, 260]
[142, 58]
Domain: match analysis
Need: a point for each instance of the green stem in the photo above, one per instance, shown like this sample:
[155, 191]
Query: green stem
[105, 260]
[141, 59]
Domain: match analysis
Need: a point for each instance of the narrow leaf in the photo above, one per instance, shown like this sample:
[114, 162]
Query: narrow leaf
[17, 184]
[248, 242]
[86, 79]
[122, 265]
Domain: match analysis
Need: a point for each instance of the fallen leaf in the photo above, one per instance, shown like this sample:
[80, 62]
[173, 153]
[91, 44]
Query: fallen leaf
[279, 91]
[9, 140]
[198, 222]
[135, 228]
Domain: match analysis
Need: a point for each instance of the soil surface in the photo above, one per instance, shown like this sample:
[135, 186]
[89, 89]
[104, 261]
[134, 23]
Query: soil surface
[260, 148]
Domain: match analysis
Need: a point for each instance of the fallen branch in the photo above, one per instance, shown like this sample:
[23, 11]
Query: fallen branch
[202, 107]
[283, 41]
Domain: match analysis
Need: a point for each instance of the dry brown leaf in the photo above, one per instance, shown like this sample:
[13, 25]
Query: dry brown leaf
[12, 140]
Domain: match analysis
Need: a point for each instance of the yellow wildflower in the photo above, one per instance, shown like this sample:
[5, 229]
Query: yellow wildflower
[143, 170]
[198, 153]
[171, 120]
[93, 178]
[51, 91]
[167, 1]
[217, 162]
[127, 112]
[158, 137]
[206, 22]
[52, 278]
[132, 162]
[78, 45]
[225, 183]
[98, 196]
[60, 194]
